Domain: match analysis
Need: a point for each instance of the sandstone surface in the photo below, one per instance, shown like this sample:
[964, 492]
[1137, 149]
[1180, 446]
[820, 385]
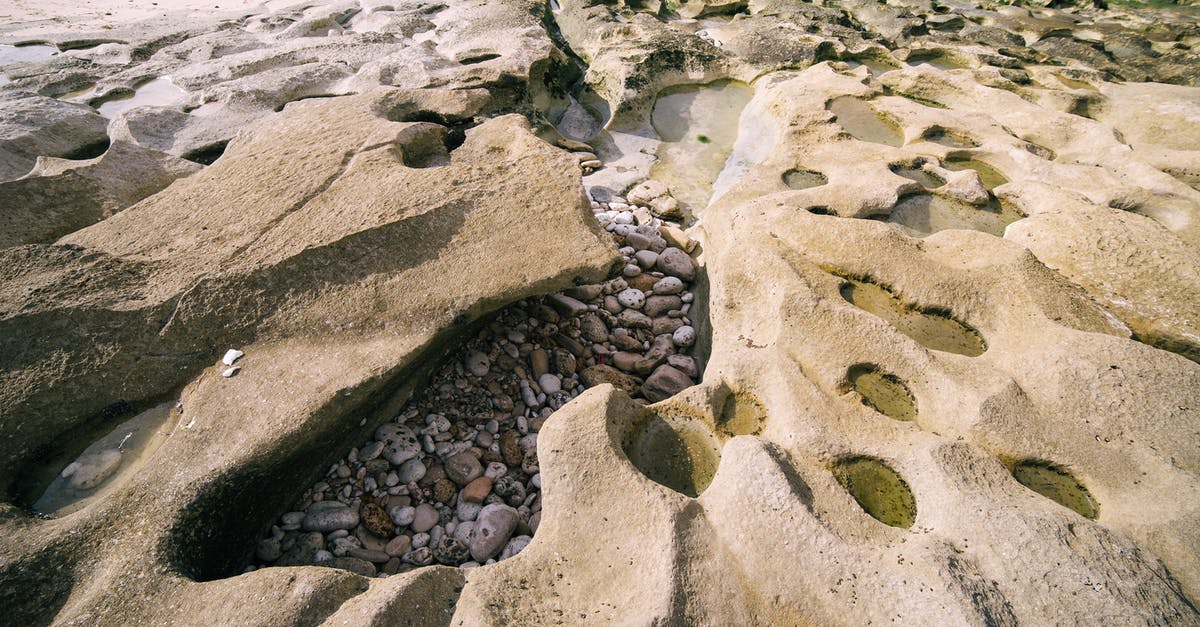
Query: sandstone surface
[520, 312]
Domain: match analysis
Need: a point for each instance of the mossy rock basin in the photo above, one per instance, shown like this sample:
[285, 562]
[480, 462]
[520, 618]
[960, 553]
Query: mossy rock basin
[879, 490]
[1057, 485]
[678, 451]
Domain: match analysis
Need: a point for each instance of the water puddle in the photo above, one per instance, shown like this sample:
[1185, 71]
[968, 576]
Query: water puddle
[803, 179]
[679, 452]
[927, 180]
[950, 139]
[108, 462]
[863, 123]
[741, 414]
[25, 54]
[1057, 485]
[939, 61]
[882, 391]
[79, 94]
[924, 214]
[933, 328]
[990, 176]
[874, 65]
[159, 92]
[879, 490]
[698, 125]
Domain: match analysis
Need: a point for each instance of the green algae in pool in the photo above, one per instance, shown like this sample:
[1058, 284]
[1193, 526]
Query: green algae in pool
[879, 490]
[884, 392]
[679, 452]
[108, 462]
[803, 179]
[698, 125]
[990, 177]
[924, 214]
[863, 123]
[741, 414]
[1057, 485]
[932, 328]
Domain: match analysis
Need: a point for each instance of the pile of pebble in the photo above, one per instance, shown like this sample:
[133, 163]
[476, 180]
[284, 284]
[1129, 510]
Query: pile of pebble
[454, 478]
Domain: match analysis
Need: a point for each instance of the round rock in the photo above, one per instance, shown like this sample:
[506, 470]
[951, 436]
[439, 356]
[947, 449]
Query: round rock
[676, 263]
[463, 468]
[493, 528]
[424, 518]
[684, 336]
[549, 383]
[632, 298]
[326, 516]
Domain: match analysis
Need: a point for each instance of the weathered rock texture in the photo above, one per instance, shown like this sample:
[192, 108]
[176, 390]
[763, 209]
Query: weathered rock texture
[994, 212]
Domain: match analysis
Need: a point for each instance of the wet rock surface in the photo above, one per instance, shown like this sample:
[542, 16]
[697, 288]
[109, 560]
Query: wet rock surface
[706, 312]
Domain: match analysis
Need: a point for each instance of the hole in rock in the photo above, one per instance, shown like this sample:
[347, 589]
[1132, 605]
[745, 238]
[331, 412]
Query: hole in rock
[1177, 345]
[803, 179]
[207, 155]
[429, 148]
[310, 97]
[76, 89]
[26, 53]
[879, 490]
[95, 462]
[1071, 83]
[158, 92]
[90, 151]
[882, 391]
[698, 125]
[932, 327]
[876, 64]
[675, 450]
[935, 59]
[863, 123]
[926, 179]
[451, 475]
[990, 177]
[478, 58]
[86, 44]
[821, 210]
[924, 214]
[944, 137]
[741, 414]
[1057, 485]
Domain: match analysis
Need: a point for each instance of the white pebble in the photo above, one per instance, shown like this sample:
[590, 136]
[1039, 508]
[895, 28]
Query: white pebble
[231, 356]
[550, 383]
[684, 337]
[229, 372]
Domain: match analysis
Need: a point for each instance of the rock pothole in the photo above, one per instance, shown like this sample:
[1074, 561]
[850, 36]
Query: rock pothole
[990, 176]
[158, 92]
[674, 449]
[104, 464]
[921, 215]
[932, 327]
[864, 123]
[741, 414]
[879, 490]
[803, 179]
[882, 391]
[698, 125]
[1058, 485]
